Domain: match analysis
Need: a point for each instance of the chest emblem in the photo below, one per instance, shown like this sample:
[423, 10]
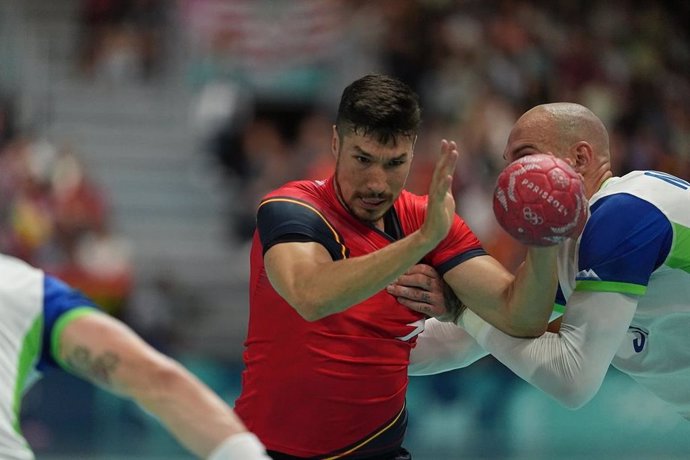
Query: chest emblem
[639, 338]
[418, 329]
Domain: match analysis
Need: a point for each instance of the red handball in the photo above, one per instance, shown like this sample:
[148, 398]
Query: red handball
[540, 200]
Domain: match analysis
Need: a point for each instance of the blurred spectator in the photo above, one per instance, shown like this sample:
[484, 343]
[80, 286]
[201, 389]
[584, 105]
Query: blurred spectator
[121, 40]
[100, 265]
[28, 224]
[313, 146]
[79, 204]
[269, 162]
[55, 216]
[280, 51]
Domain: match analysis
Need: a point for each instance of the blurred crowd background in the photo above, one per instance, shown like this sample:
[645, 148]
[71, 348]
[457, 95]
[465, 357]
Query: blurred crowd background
[137, 136]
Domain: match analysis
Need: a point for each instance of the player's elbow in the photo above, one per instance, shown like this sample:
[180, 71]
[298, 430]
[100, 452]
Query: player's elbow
[308, 309]
[576, 393]
[159, 383]
[309, 314]
[307, 304]
[525, 329]
[574, 400]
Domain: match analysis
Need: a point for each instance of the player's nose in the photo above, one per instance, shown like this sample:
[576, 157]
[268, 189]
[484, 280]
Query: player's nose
[376, 180]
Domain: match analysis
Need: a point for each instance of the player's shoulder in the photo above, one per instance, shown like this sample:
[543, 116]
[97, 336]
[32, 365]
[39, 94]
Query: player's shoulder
[15, 270]
[646, 191]
[21, 286]
[303, 197]
[412, 201]
[13, 263]
[628, 208]
[299, 190]
[646, 184]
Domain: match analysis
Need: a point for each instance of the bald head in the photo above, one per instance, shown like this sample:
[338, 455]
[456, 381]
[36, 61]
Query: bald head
[569, 123]
[566, 130]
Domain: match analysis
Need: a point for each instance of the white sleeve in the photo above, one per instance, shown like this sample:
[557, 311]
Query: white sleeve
[443, 347]
[240, 446]
[569, 365]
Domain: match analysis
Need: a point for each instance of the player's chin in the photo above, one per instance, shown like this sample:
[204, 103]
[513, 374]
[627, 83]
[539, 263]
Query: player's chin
[372, 213]
[369, 216]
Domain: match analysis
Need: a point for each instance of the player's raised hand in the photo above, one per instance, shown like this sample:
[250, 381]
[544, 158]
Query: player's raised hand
[441, 206]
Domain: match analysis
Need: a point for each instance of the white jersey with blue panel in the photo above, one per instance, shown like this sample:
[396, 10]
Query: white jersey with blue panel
[34, 308]
[637, 242]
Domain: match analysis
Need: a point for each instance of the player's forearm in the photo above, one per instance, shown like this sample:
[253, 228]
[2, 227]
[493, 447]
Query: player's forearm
[569, 365]
[323, 289]
[531, 295]
[103, 350]
[195, 415]
[551, 363]
[443, 347]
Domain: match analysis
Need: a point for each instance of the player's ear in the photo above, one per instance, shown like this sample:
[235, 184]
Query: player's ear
[335, 142]
[581, 155]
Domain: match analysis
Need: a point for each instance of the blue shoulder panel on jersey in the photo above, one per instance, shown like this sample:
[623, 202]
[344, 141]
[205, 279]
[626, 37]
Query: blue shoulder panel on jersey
[624, 241]
[58, 298]
[460, 258]
[284, 220]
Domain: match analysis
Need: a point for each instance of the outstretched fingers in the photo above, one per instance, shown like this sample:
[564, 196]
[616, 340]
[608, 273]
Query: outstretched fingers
[445, 167]
[441, 205]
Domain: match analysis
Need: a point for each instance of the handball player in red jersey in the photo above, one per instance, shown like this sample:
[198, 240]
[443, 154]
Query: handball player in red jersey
[328, 347]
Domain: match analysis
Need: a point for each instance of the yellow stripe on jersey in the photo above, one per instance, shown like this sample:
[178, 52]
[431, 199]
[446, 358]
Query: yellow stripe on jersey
[371, 438]
[338, 239]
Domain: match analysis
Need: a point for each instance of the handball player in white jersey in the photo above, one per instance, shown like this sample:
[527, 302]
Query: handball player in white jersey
[624, 284]
[46, 323]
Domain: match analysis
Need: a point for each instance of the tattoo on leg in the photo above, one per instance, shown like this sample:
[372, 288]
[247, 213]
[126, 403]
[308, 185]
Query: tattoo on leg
[98, 368]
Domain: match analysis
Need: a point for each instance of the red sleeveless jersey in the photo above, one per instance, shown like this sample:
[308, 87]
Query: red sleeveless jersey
[314, 389]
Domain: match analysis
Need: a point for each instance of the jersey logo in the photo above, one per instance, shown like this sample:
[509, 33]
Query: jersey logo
[588, 274]
[640, 339]
[418, 329]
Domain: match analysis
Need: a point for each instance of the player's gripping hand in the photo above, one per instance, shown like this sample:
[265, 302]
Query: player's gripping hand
[422, 289]
[441, 205]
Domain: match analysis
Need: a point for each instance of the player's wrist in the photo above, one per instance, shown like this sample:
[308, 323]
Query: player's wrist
[241, 446]
[454, 307]
[424, 241]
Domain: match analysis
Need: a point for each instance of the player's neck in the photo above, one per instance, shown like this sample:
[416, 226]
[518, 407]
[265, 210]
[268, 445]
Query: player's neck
[599, 176]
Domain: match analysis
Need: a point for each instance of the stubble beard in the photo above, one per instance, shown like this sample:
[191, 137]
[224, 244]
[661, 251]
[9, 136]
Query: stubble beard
[363, 216]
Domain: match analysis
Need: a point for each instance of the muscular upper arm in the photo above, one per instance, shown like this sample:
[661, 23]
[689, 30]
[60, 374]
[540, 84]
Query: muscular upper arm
[288, 266]
[481, 283]
[297, 240]
[106, 352]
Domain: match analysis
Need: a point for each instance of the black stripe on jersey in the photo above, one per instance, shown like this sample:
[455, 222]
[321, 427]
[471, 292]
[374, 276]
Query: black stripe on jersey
[460, 258]
[384, 443]
[560, 297]
[391, 224]
[283, 220]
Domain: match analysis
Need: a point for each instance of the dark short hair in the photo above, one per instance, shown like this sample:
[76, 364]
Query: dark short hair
[379, 106]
